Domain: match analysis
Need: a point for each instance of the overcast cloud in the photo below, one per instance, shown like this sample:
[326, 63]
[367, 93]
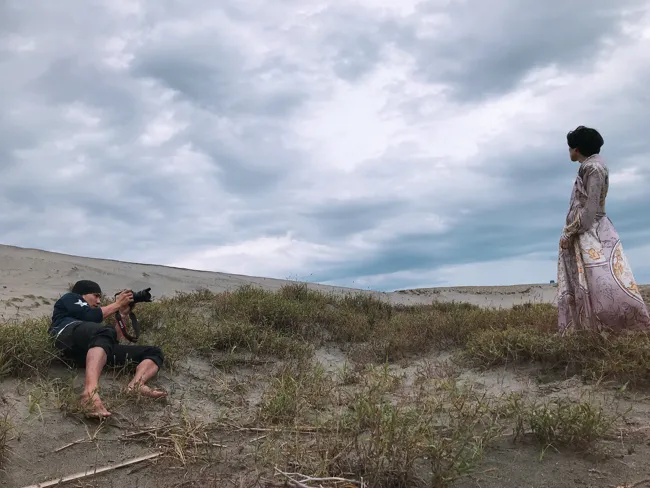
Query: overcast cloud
[366, 143]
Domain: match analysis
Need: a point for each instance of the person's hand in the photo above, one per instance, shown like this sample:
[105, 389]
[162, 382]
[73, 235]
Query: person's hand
[564, 243]
[124, 299]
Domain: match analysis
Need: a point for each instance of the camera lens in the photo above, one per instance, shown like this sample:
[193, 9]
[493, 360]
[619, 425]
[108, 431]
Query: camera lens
[142, 296]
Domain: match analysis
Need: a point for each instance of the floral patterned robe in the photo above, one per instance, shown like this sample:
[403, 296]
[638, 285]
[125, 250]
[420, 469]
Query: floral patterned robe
[596, 287]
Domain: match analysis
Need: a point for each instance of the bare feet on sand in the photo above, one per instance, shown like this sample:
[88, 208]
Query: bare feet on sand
[92, 405]
[144, 390]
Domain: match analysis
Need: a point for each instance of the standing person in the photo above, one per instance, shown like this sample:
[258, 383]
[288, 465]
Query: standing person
[79, 333]
[596, 286]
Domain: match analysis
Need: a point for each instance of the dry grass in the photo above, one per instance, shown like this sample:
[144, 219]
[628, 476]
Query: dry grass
[362, 423]
[558, 423]
[183, 437]
[295, 320]
[623, 358]
[6, 429]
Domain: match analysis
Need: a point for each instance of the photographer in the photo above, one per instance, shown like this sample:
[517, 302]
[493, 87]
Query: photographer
[79, 333]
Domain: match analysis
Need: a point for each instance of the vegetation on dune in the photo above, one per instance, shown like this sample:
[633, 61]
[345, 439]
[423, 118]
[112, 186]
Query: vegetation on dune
[5, 435]
[363, 422]
[291, 322]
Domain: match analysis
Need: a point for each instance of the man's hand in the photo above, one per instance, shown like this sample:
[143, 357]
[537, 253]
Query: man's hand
[123, 300]
[122, 303]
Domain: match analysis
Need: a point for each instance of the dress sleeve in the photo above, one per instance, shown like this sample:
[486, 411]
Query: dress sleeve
[593, 183]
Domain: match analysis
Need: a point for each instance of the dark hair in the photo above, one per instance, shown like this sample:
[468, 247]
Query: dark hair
[586, 140]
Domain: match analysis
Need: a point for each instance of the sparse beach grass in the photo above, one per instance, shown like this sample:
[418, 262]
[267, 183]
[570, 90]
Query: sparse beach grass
[287, 416]
[5, 436]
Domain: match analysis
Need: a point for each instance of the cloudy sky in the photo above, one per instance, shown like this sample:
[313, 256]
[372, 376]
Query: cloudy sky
[358, 143]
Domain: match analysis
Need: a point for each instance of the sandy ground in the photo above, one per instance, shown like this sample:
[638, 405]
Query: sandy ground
[31, 280]
[52, 444]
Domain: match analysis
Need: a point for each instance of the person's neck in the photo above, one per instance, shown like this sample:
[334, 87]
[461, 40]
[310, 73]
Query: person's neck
[582, 159]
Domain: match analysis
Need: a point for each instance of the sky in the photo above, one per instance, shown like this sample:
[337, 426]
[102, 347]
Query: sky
[368, 143]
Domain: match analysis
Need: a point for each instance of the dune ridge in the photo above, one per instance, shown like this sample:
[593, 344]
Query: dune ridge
[32, 278]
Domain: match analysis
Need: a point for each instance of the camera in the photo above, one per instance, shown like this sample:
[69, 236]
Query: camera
[142, 296]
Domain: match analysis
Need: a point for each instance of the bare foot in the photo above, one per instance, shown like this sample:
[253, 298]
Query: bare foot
[93, 406]
[144, 390]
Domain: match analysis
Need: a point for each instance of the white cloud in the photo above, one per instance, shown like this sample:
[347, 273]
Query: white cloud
[264, 256]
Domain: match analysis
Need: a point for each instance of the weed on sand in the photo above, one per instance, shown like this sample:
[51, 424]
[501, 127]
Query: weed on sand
[6, 430]
[557, 423]
[378, 434]
[363, 423]
[387, 437]
[292, 322]
[25, 347]
[596, 356]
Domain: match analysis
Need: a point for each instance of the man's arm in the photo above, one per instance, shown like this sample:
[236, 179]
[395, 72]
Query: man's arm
[110, 309]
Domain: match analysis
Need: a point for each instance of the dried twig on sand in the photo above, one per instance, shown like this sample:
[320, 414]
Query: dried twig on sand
[94, 471]
[73, 443]
[294, 430]
[634, 485]
[302, 482]
[90, 438]
[150, 430]
[176, 437]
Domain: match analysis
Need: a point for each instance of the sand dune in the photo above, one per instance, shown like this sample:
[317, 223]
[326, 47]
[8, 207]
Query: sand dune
[32, 279]
[231, 381]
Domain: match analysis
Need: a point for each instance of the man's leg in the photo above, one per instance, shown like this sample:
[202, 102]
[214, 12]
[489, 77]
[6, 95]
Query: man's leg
[95, 361]
[91, 344]
[149, 360]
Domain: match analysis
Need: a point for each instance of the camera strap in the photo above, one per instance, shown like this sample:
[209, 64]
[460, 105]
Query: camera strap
[122, 326]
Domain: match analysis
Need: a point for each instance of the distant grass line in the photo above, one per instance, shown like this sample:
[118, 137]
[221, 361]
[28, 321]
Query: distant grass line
[291, 322]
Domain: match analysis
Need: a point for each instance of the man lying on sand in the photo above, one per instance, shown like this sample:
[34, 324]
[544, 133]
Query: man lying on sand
[79, 333]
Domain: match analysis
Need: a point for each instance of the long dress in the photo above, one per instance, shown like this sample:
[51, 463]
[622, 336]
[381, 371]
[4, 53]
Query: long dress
[596, 286]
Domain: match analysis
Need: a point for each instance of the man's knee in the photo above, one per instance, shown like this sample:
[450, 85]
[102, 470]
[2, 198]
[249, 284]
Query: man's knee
[156, 355]
[104, 337]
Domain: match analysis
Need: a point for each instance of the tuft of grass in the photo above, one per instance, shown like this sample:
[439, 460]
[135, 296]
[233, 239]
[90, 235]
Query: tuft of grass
[558, 423]
[564, 423]
[594, 355]
[6, 429]
[25, 347]
[297, 389]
